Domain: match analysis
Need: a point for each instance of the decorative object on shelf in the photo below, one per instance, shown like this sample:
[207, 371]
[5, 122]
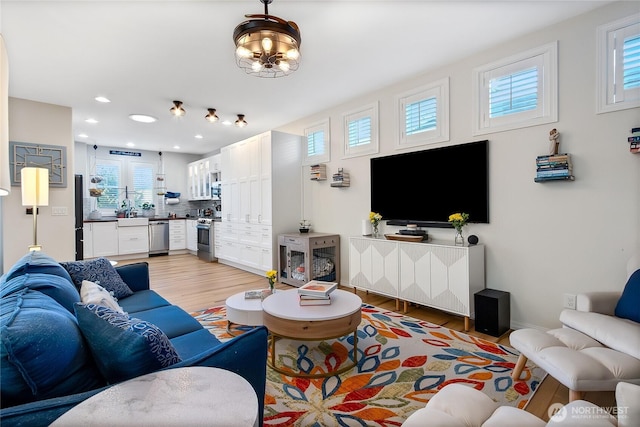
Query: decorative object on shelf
[554, 137]
[554, 167]
[459, 220]
[318, 172]
[35, 192]
[305, 226]
[341, 179]
[211, 116]
[374, 219]
[271, 276]
[177, 109]
[473, 239]
[405, 237]
[267, 46]
[148, 209]
[161, 186]
[634, 141]
[51, 157]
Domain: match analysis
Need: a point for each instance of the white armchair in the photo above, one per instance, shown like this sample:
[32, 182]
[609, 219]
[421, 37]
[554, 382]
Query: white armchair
[595, 349]
[458, 405]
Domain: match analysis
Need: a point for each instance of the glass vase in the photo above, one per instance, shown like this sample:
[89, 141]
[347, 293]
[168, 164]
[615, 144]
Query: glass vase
[375, 232]
[459, 238]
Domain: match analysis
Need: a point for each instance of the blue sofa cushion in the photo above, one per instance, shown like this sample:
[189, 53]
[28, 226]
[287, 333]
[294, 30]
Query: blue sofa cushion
[55, 287]
[628, 306]
[99, 271]
[42, 352]
[141, 301]
[36, 262]
[172, 320]
[194, 343]
[124, 347]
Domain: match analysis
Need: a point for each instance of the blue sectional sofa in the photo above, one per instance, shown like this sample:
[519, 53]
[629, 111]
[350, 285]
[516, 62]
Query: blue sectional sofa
[56, 351]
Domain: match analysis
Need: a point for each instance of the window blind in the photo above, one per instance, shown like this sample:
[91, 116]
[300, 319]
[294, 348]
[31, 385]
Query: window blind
[359, 132]
[421, 116]
[631, 62]
[315, 143]
[513, 93]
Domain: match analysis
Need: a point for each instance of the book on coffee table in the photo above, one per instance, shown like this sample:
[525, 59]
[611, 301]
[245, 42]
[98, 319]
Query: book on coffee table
[313, 300]
[257, 294]
[317, 288]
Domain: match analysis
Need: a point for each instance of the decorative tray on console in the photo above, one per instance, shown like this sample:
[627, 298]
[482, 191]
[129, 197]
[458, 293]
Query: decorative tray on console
[405, 237]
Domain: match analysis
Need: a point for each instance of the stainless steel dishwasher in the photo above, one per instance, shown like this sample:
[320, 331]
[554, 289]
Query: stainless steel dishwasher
[158, 237]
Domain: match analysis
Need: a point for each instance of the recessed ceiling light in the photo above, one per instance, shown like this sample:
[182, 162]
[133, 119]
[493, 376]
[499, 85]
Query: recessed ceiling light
[227, 123]
[83, 135]
[176, 147]
[142, 118]
[102, 99]
[91, 120]
[130, 144]
[199, 136]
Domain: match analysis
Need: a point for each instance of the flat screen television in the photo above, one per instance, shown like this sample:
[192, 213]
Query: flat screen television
[425, 187]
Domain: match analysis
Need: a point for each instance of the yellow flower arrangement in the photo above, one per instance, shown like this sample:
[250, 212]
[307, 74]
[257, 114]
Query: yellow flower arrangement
[271, 275]
[375, 218]
[459, 220]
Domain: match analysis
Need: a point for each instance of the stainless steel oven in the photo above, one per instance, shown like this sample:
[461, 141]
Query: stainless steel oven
[206, 239]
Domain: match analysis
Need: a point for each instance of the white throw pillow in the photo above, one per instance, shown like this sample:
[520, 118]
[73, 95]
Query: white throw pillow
[92, 293]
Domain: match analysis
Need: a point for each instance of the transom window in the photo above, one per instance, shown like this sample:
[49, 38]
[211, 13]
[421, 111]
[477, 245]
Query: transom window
[361, 131]
[517, 92]
[318, 148]
[619, 65]
[423, 115]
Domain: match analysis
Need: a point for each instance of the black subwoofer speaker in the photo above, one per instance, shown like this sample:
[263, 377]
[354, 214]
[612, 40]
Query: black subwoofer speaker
[493, 312]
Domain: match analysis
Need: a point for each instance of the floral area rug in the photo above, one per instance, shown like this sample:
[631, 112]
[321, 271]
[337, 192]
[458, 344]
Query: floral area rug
[402, 362]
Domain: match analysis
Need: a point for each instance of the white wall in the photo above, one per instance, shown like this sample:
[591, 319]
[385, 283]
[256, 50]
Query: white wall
[544, 239]
[48, 124]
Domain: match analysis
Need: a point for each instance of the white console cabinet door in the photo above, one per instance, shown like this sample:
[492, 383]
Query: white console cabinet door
[105, 239]
[373, 265]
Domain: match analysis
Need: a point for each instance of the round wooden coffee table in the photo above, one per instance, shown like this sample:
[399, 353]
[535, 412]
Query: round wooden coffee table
[284, 317]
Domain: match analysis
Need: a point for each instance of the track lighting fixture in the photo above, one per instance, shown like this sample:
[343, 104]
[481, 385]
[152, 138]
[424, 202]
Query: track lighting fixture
[267, 46]
[241, 122]
[177, 109]
[211, 117]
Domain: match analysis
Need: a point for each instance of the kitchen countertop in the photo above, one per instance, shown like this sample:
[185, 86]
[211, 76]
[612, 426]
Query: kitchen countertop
[155, 218]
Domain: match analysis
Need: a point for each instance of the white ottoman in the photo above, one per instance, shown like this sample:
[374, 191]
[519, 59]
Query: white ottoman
[576, 360]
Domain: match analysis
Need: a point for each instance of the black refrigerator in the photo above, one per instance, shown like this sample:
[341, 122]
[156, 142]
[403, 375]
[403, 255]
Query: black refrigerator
[77, 183]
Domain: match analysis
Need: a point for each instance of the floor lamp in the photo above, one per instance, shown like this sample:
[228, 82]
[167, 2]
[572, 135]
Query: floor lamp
[35, 192]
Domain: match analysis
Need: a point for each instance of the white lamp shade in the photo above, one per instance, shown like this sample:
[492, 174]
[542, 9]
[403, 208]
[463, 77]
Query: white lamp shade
[35, 186]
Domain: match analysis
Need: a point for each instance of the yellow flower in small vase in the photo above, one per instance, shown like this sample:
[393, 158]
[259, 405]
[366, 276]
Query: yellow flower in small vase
[374, 219]
[459, 220]
[271, 275]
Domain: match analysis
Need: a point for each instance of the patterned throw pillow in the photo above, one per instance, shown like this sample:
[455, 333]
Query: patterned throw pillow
[124, 347]
[99, 271]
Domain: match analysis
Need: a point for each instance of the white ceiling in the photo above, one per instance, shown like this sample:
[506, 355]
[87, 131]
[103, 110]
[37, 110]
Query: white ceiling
[144, 54]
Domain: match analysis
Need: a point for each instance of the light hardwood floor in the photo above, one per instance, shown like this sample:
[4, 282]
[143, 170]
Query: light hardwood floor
[192, 284]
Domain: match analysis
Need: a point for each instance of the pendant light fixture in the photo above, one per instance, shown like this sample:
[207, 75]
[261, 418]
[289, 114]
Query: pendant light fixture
[177, 109]
[267, 46]
[211, 117]
[241, 122]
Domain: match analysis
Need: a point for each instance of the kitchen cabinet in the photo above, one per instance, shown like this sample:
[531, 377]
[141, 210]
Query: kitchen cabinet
[199, 176]
[100, 239]
[261, 190]
[177, 234]
[133, 240]
[192, 235]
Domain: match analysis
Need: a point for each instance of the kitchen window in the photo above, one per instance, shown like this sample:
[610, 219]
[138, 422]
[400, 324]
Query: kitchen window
[136, 177]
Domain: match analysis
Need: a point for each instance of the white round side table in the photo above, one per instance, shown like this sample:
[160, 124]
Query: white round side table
[243, 311]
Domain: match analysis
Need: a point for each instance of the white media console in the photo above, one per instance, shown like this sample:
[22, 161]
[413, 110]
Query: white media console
[435, 275]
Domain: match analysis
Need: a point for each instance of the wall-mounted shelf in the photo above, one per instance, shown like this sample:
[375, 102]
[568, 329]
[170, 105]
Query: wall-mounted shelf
[318, 172]
[554, 167]
[341, 179]
[634, 141]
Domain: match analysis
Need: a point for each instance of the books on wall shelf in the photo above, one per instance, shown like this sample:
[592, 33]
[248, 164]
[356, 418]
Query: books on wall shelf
[318, 172]
[341, 179]
[634, 141]
[554, 167]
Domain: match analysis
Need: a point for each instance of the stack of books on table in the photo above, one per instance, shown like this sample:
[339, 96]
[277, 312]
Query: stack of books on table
[554, 167]
[316, 292]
